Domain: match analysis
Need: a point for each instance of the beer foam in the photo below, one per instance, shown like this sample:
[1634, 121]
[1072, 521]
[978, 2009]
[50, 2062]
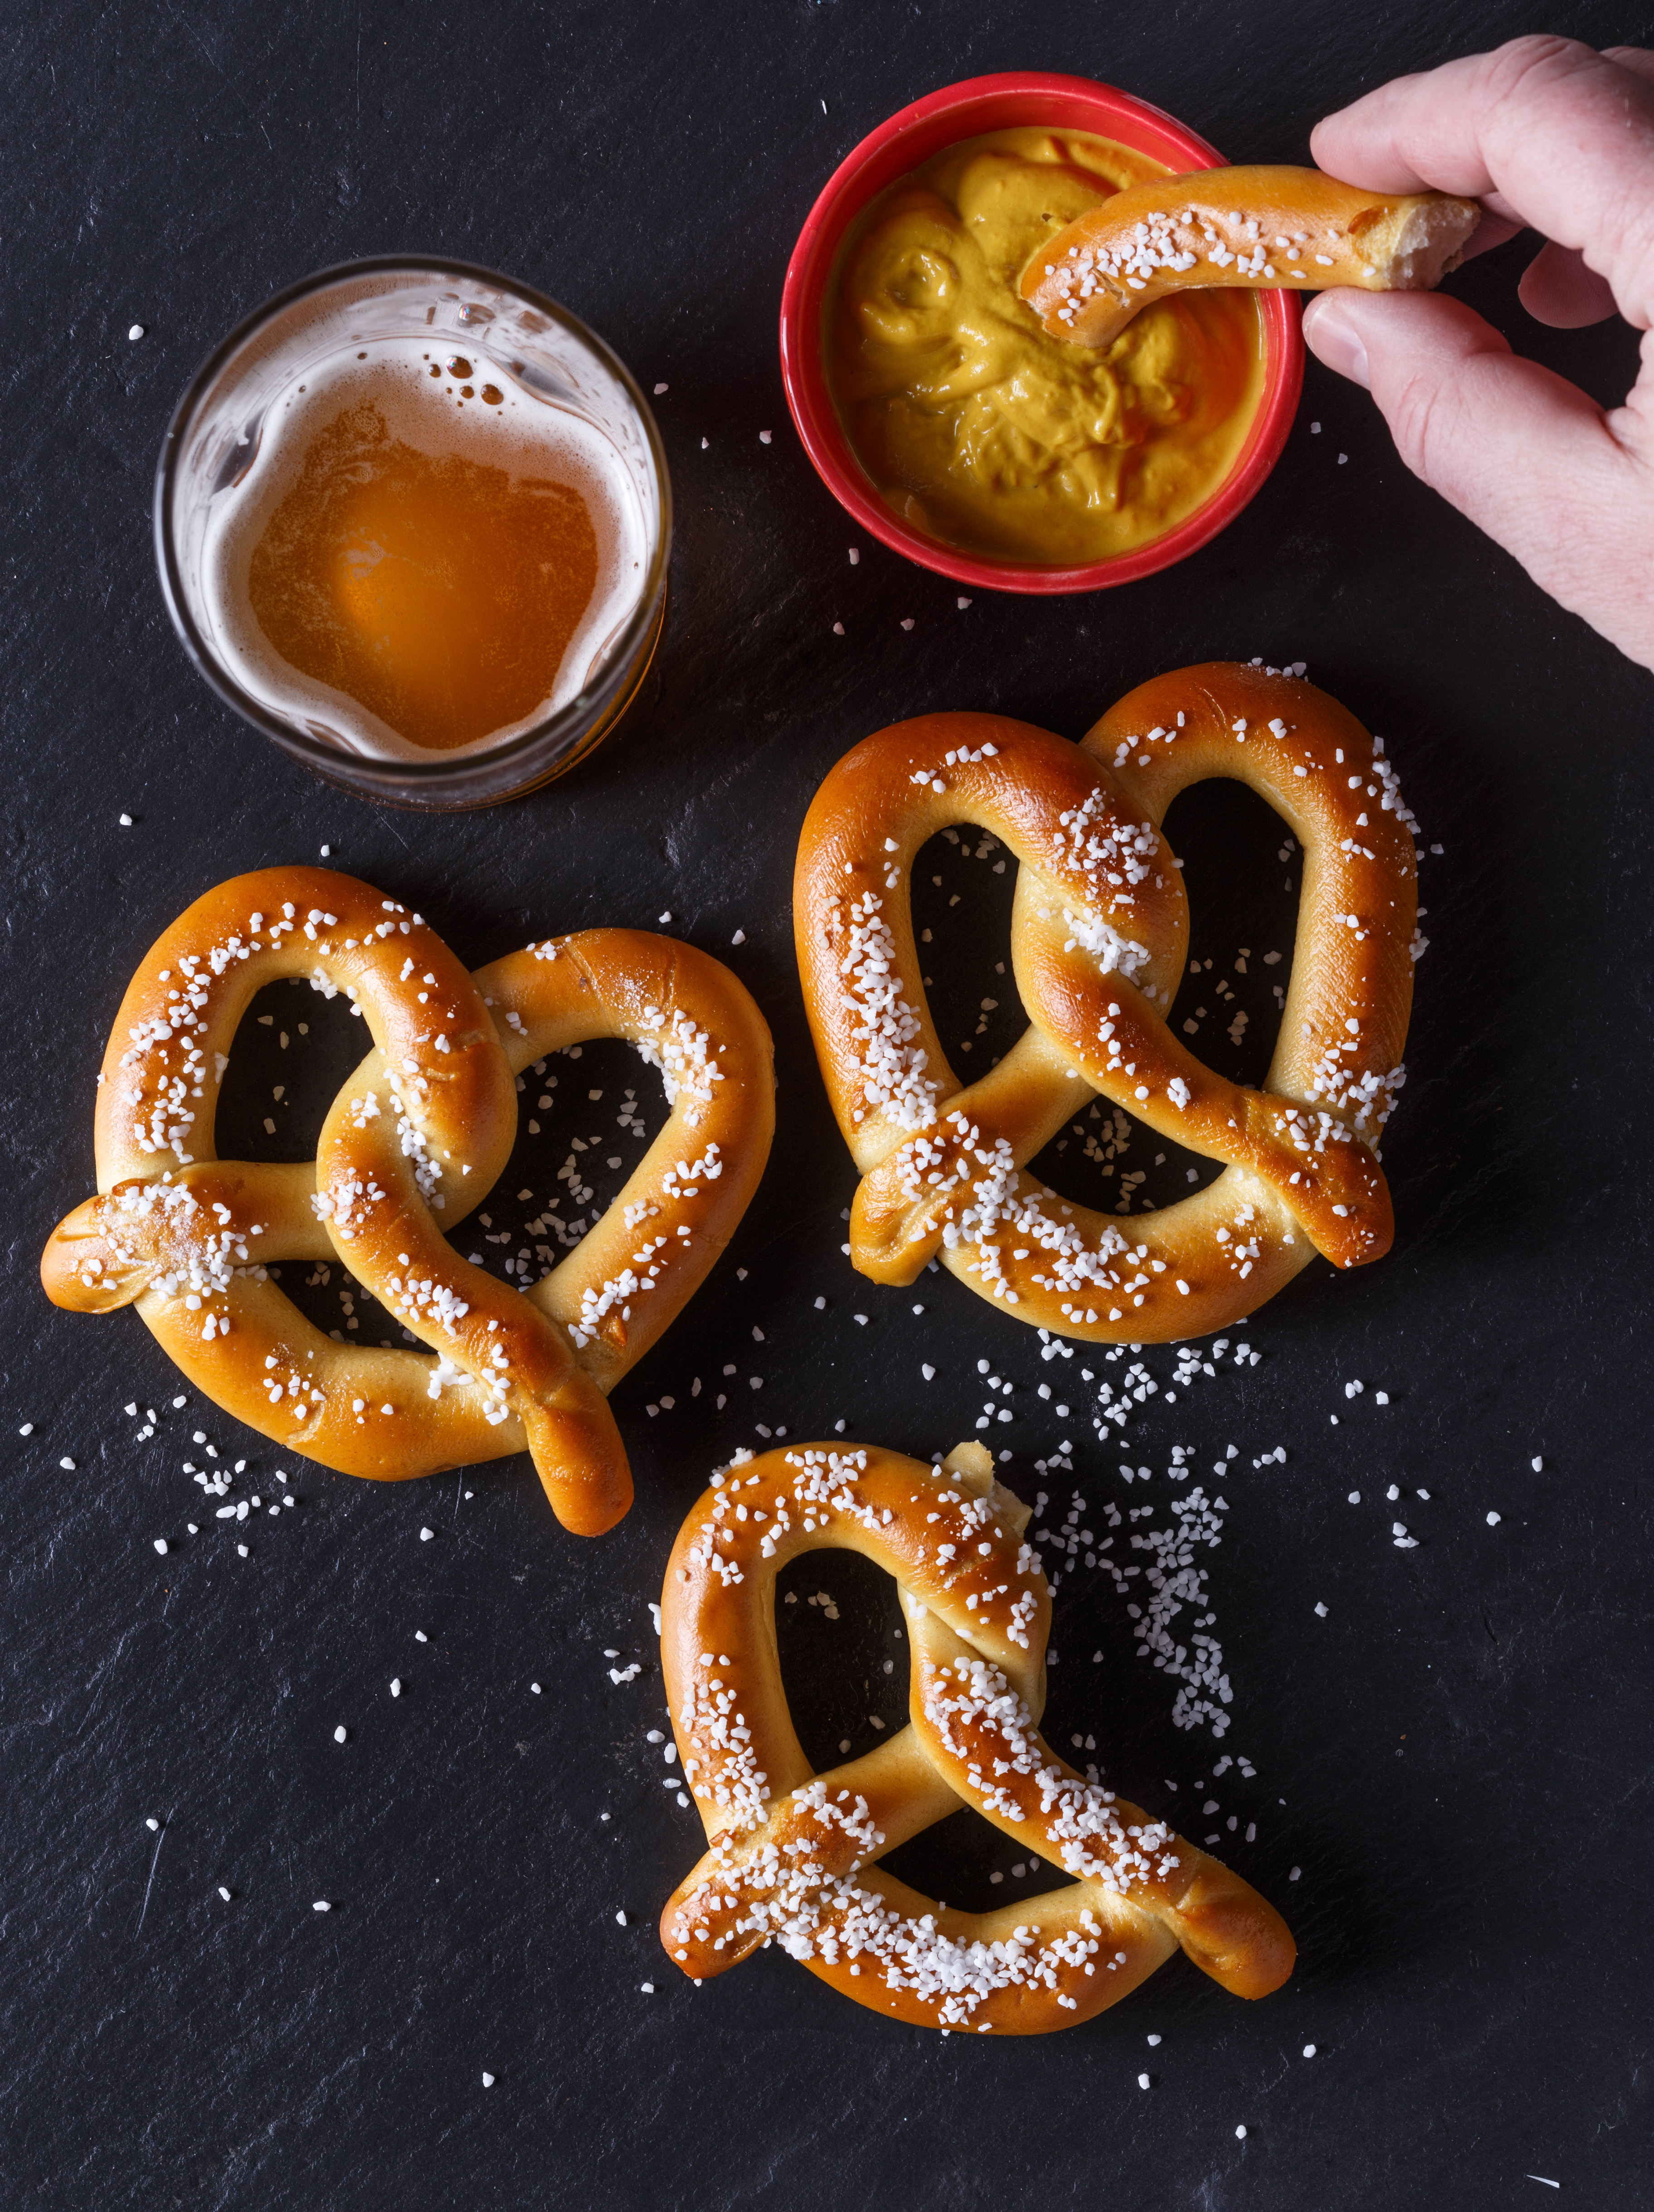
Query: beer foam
[526, 434]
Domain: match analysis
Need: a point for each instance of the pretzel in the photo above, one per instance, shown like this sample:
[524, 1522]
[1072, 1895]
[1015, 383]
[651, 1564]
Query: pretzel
[1270, 230]
[413, 1142]
[1098, 936]
[793, 1854]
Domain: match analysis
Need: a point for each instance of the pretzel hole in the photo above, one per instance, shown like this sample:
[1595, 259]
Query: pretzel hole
[956, 1860]
[294, 1040]
[1230, 842]
[1105, 1158]
[1240, 910]
[293, 1052]
[966, 965]
[562, 1156]
[833, 1657]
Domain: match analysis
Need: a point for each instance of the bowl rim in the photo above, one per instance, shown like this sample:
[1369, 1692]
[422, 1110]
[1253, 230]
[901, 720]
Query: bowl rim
[913, 135]
[367, 775]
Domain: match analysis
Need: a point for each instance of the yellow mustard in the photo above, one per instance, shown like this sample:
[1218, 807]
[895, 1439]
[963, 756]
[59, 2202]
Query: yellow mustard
[977, 428]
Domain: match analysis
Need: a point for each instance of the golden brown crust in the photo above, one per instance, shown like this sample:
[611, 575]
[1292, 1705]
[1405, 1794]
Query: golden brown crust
[793, 1855]
[1269, 228]
[413, 1142]
[1099, 935]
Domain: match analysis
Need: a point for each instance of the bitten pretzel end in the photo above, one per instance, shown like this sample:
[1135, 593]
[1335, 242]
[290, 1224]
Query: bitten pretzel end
[1274, 228]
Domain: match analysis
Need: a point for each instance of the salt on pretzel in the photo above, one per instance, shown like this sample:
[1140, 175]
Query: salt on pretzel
[414, 1141]
[1099, 936]
[792, 1854]
[1267, 229]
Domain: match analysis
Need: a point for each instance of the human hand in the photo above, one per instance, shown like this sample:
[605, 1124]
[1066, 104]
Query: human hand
[1548, 134]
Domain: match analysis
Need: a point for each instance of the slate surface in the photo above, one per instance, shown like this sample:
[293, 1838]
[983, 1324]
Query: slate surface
[1455, 1757]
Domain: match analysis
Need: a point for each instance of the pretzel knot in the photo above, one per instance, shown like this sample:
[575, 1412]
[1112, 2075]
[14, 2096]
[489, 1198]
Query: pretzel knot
[793, 1854]
[1099, 936]
[414, 1142]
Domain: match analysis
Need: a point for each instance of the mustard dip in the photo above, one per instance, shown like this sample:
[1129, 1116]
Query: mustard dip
[978, 429]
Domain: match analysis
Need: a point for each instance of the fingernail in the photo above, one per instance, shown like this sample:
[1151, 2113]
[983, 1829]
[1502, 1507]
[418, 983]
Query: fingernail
[1330, 335]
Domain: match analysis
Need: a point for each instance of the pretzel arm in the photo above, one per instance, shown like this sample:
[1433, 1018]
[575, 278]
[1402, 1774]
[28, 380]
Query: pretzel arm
[1311, 1174]
[978, 1733]
[1274, 228]
[632, 1273]
[898, 1217]
[1343, 1026]
[500, 1355]
[112, 1248]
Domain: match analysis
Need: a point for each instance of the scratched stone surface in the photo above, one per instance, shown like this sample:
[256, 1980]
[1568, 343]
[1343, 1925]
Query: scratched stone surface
[1448, 1794]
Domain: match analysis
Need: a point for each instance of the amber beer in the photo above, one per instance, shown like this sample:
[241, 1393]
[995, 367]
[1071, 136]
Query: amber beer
[425, 557]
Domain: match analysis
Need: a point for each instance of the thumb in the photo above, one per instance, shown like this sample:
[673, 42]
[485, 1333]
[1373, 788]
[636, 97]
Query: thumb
[1526, 456]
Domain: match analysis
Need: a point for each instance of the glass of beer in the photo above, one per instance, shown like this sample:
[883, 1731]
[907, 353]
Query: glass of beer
[413, 521]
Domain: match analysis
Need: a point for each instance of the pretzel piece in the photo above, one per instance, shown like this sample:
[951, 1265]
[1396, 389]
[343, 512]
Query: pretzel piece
[1274, 228]
[421, 1131]
[793, 1855]
[1099, 936]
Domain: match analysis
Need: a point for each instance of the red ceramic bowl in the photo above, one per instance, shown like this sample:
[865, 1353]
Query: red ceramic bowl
[901, 145]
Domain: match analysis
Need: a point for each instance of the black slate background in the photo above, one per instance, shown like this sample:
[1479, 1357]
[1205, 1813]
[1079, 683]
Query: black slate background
[1458, 1756]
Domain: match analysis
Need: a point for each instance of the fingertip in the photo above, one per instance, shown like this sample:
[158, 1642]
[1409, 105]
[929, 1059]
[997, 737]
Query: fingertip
[1331, 335]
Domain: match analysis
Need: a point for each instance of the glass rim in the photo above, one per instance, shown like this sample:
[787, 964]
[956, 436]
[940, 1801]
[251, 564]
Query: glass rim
[331, 760]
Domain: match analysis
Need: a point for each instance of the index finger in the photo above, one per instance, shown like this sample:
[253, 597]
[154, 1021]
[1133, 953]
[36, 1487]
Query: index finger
[1544, 130]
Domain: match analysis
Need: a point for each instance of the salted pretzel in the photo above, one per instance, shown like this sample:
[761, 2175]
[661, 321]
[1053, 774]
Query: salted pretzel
[1269, 228]
[1098, 938]
[411, 1145]
[793, 1854]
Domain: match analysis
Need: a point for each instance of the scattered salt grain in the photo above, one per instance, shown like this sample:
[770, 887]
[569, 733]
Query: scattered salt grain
[161, 1545]
[135, 334]
[1493, 1520]
[321, 1904]
[426, 1535]
[659, 389]
[338, 1735]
